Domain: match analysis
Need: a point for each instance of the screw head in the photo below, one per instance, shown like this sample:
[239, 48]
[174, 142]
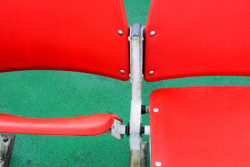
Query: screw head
[151, 72]
[152, 33]
[158, 163]
[122, 71]
[120, 32]
[5, 139]
[155, 109]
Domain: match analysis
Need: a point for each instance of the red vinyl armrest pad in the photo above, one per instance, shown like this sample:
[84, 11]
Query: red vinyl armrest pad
[72, 126]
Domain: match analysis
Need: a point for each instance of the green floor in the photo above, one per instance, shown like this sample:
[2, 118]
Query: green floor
[51, 94]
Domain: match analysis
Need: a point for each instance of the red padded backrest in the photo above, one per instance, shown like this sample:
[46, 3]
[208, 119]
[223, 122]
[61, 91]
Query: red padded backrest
[78, 35]
[197, 38]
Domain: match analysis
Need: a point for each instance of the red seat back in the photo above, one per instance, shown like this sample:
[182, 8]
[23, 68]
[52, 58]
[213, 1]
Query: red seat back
[197, 38]
[64, 35]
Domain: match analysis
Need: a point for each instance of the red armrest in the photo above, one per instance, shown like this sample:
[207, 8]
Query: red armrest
[72, 126]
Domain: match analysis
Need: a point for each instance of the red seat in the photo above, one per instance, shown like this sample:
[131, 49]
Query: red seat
[64, 35]
[197, 38]
[200, 126]
[73, 126]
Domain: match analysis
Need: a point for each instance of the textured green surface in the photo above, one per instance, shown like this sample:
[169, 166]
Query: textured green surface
[51, 94]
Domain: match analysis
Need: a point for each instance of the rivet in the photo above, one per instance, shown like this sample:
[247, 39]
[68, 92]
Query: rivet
[158, 163]
[152, 33]
[122, 71]
[120, 32]
[155, 109]
[151, 72]
[5, 139]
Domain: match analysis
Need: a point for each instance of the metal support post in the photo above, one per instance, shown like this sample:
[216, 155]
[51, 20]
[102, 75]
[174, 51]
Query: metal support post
[136, 80]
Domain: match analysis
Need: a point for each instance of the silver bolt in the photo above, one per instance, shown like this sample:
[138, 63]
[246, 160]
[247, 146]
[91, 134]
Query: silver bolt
[152, 33]
[151, 72]
[122, 71]
[155, 109]
[158, 163]
[120, 32]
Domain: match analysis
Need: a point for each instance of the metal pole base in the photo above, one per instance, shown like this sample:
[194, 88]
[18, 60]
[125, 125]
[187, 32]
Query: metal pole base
[144, 151]
[139, 161]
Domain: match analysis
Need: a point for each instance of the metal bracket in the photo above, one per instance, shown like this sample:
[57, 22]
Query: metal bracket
[136, 66]
[6, 146]
[117, 130]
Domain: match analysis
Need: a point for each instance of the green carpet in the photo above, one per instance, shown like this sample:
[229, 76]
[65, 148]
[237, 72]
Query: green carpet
[51, 94]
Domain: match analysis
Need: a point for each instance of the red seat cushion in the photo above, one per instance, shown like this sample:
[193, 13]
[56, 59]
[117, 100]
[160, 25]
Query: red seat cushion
[73, 126]
[200, 126]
